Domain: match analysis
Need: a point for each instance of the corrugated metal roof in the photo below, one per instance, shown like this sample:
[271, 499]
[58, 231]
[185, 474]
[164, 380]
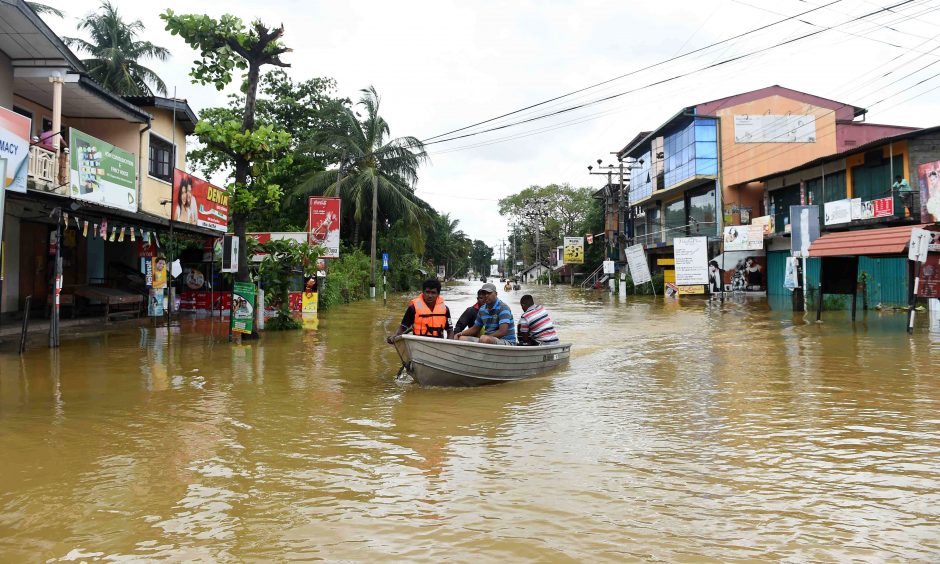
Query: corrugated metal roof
[883, 241]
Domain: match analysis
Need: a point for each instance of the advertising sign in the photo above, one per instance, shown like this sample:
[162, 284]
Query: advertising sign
[197, 202]
[608, 267]
[919, 245]
[309, 297]
[243, 308]
[441, 272]
[928, 176]
[691, 254]
[323, 224]
[883, 207]
[691, 290]
[928, 285]
[744, 237]
[574, 250]
[636, 261]
[14, 147]
[839, 211]
[384, 261]
[158, 272]
[805, 222]
[494, 270]
[101, 173]
[791, 280]
[766, 222]
[770, 128]
[155, 302]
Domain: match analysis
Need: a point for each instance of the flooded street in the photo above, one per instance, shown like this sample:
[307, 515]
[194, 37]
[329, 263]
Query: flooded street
[679, 431]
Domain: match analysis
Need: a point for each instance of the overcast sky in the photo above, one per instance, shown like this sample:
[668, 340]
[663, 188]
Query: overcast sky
[441, 65]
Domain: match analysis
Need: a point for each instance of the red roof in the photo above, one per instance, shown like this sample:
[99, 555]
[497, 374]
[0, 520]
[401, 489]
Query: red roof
[881, 241]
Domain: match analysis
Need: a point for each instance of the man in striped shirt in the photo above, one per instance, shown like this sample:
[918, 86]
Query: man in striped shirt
[535, 325]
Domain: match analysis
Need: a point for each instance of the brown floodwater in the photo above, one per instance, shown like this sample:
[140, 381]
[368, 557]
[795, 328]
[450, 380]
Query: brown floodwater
[680, 432]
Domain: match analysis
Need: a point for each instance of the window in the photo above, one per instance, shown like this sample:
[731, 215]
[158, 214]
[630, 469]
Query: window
[161, 159]
[702, 218]
[674, 214]
[780, 202]
[653, 227]
[828, 189]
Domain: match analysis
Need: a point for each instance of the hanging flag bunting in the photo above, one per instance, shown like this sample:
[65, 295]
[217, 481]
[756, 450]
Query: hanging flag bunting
[78, 224]
[146, 236]
[103, 231]
[65, 218]
[85, 229]
[133, 238]
[156, 240]
[113, 233]
[121, 236]
[94, 230]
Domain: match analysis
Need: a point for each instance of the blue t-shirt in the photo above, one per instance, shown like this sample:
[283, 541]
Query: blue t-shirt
[491, 317]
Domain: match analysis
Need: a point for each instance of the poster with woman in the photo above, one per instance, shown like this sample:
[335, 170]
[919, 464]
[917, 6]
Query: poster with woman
[928, 175]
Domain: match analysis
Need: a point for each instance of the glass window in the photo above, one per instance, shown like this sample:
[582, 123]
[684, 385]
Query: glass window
[706, 150]
[702, 216]
[674, 214]
[161, 159]
[781, 200]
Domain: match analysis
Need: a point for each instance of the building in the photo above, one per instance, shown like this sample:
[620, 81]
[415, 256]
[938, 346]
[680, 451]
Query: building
[856, 193]
[120, 175]
[691, 175]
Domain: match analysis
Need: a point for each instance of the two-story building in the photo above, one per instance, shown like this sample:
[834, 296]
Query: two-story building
[691, 175]
[97, 158]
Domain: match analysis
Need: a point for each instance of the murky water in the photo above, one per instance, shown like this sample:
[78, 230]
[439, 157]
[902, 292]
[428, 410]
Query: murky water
[679, 432]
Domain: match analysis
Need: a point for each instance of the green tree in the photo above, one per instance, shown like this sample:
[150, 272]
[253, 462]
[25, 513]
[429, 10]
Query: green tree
[45, 9]
[257, 153]
[481, 255]
[373, 168]
[565, 211]
[115, 52]
[284, 260]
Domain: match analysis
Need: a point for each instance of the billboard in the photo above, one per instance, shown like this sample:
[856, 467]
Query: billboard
[323, 224]
[805, 222]
[928, 176]
[636, 261]
[839, 211]
[691, 255]
[14, 147]
[574, 250]
[101, 173]
[197, 202]
[744, 237]
[769, 128]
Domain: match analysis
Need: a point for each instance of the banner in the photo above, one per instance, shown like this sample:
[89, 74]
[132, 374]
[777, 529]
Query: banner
[323, 224]
[929, 284]
[574, 250]
[310, 296]
[155, 302]
[14, 147]
[101, 173]
[197, 202]
[744, 237]
[691, 255]
[928, 176]
[243, 308]
[791, 280]
[636, 261]
[766, 222]
[839, 211]
[805, 222]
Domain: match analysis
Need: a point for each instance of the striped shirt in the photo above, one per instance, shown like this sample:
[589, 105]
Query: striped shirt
[537, 323]
[491, 317]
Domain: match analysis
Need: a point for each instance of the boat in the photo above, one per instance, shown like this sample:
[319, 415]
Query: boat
[444, 362]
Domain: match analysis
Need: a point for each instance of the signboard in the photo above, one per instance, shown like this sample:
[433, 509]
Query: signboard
[791, 279]
[442, 272]
[928, 176]
[101, 173]
[766, 222]
[197, 202]
[14, 147]
[243, 308]
[919, 245]
[805, 229]
[323, 224]
[384, 261]
[309, 298]
[744, 237]
[883, 207]
[928, 285]
[770, 128]
[636, 261]
[691, 290]
[691, 254]
[855, 208]
[229, 253]
[494, 270]
[155, 302]
[839, 211]
[574, 250]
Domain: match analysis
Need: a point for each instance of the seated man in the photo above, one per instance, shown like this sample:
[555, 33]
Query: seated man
[495, 317]
[535, 325]
[469, 315]
[426, 315]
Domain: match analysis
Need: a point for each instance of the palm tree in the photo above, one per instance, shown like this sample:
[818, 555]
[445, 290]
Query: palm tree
[45, 9]
[371, 166]
[115, 51]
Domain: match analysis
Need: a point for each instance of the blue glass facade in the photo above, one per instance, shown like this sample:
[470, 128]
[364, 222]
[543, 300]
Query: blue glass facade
[641, 184]
[691, 151]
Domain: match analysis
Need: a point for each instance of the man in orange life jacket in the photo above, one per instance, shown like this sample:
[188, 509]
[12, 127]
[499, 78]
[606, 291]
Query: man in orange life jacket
[427, 315]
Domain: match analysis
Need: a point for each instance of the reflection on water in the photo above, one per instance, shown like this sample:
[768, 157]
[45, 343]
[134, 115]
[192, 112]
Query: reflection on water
[679, 431]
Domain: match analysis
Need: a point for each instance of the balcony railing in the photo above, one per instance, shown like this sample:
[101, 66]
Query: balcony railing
[694, 229]
[44, 172]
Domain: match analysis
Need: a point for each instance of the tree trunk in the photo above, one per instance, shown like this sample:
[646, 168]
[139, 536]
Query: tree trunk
[242, 168]
[375, 215]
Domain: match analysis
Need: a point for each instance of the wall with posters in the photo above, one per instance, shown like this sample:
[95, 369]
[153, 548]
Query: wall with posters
[14, 147]
[197, 202]
[323, 223]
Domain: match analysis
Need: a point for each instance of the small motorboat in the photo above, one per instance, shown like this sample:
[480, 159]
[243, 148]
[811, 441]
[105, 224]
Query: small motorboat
[445, 362]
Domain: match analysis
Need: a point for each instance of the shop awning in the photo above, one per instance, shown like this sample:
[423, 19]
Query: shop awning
[883, 241]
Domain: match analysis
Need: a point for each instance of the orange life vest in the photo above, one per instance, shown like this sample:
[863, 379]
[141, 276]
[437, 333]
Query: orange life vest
[429, 322]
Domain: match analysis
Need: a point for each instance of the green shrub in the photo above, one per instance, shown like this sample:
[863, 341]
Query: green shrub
[347, 280]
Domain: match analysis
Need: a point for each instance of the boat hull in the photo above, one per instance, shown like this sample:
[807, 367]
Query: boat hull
[440, 362]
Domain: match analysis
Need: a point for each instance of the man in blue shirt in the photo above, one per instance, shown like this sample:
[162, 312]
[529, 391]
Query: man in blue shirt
[496, 317]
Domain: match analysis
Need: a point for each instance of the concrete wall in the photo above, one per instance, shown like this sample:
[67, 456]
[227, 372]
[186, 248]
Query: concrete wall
[154, 189]
[11, 266]
[746, 161]
[6, 82]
